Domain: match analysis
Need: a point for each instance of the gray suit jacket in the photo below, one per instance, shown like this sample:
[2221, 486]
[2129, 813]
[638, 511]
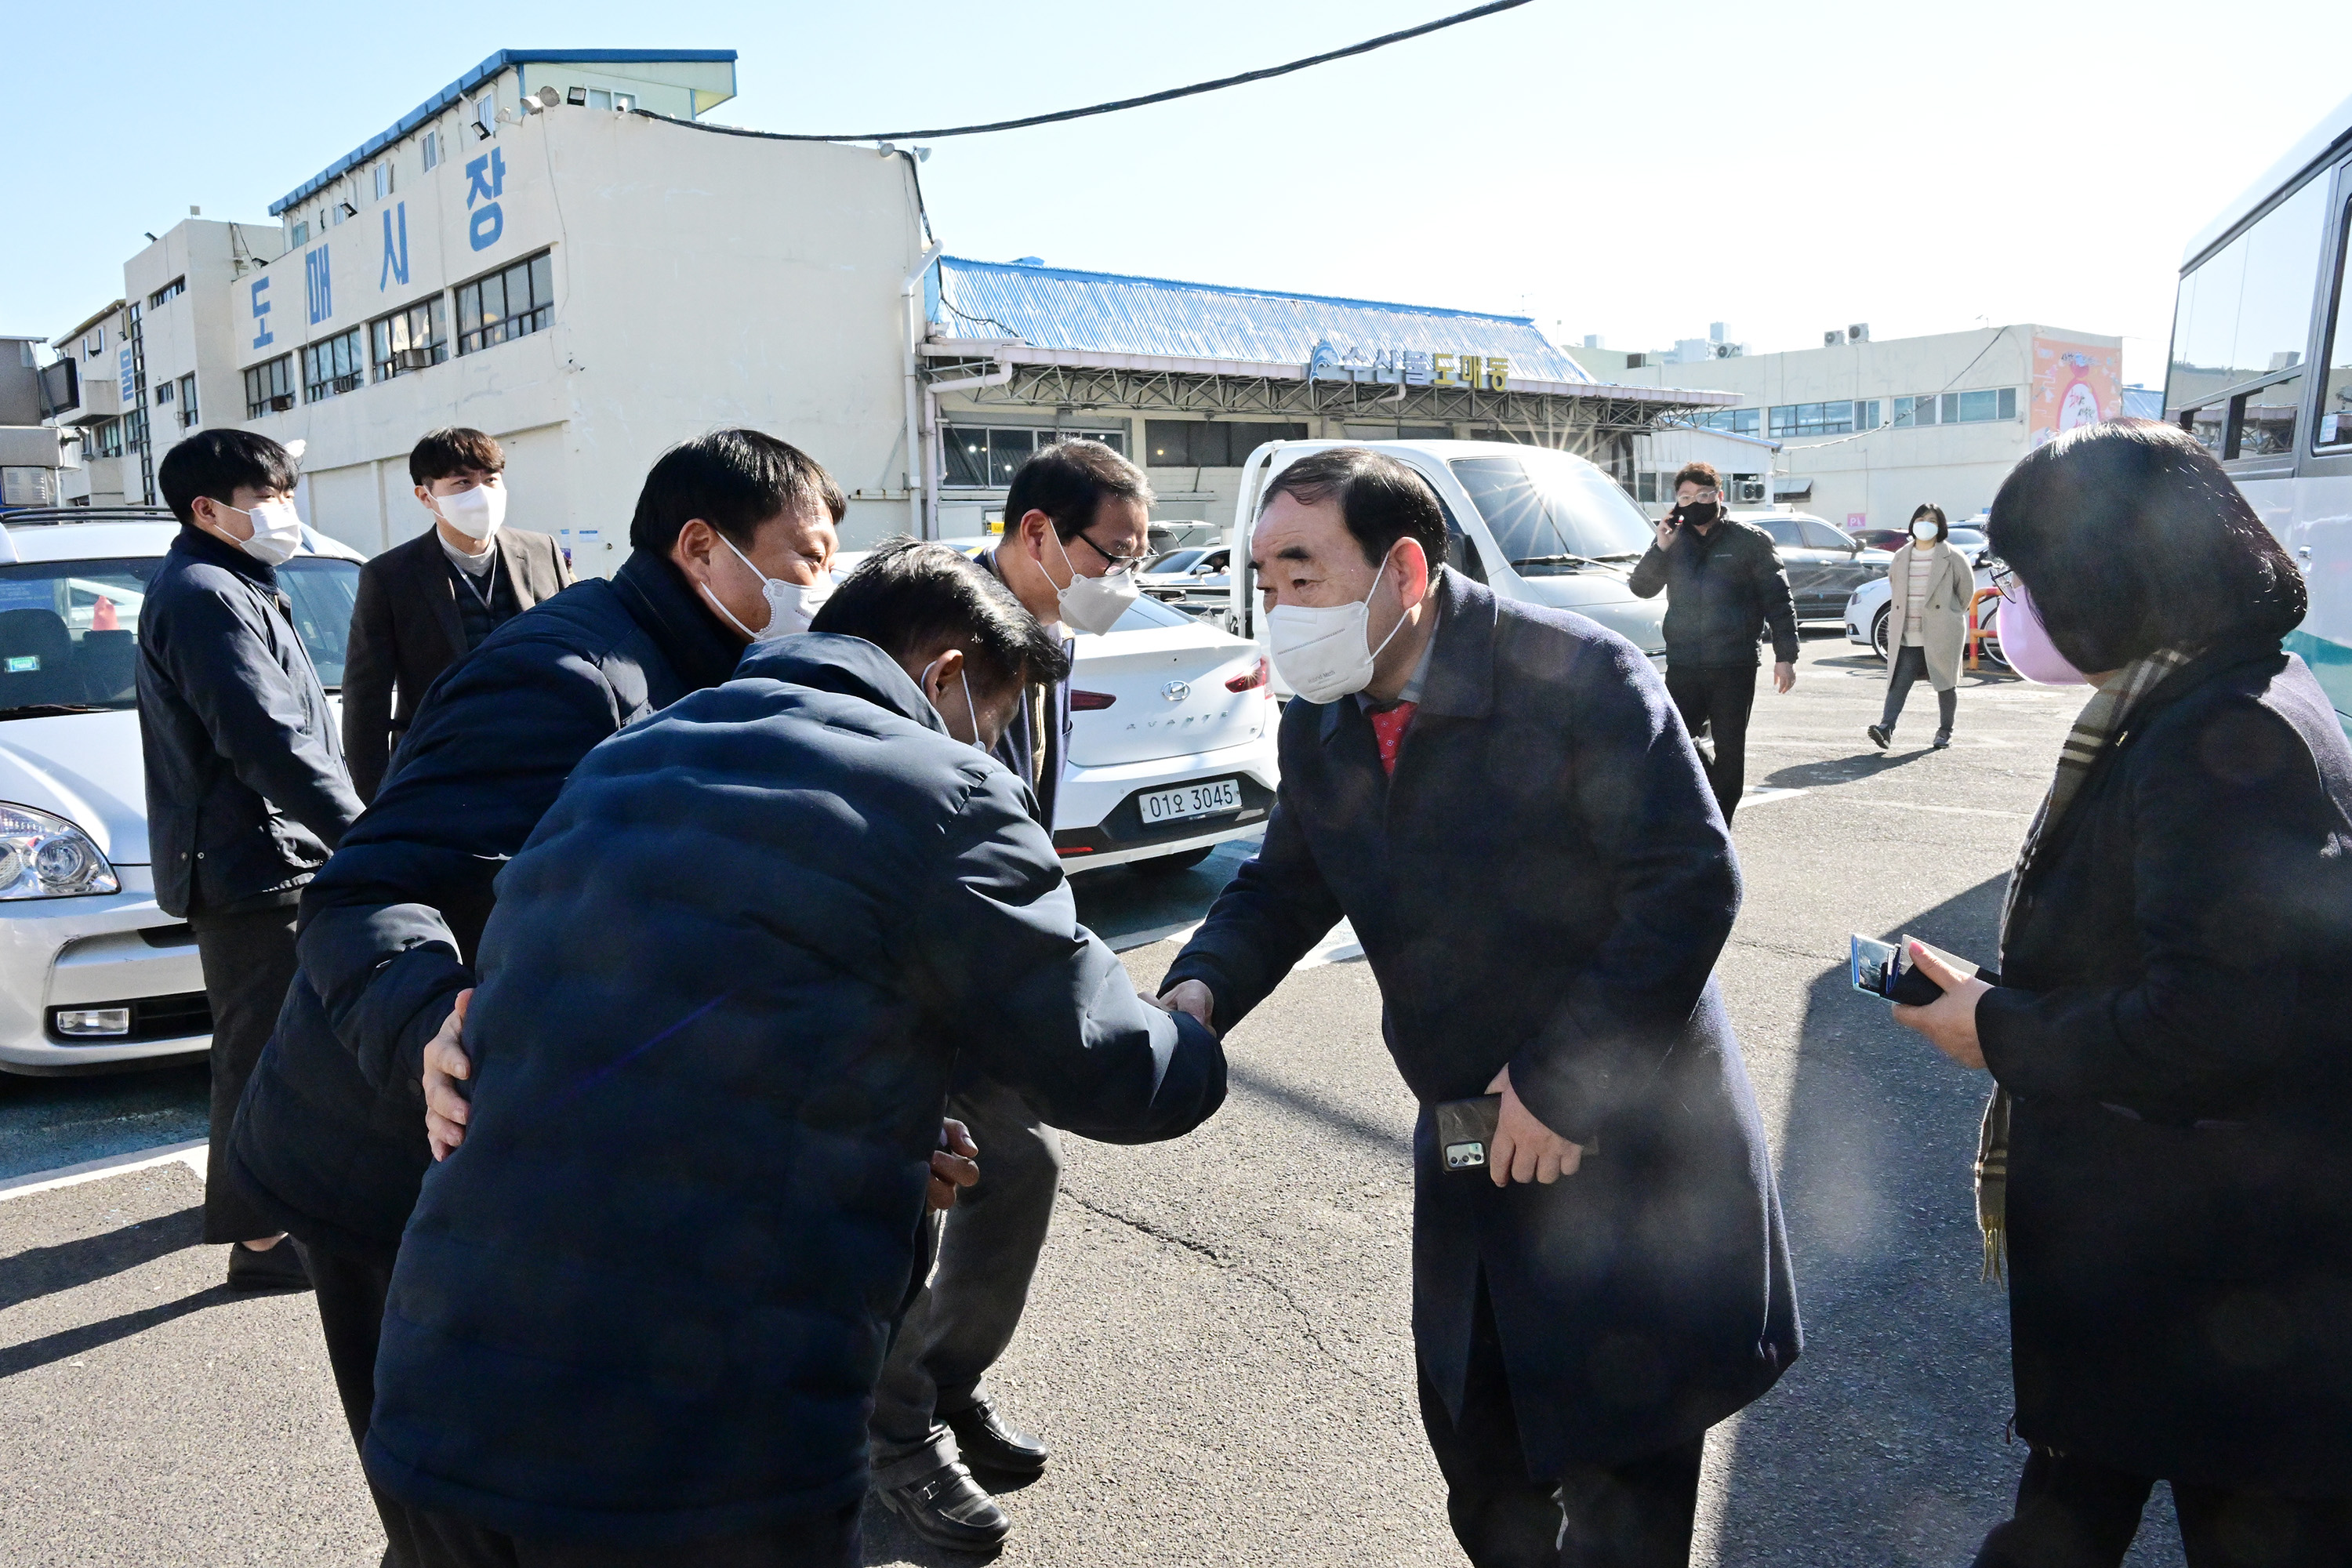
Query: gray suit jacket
[405, 631]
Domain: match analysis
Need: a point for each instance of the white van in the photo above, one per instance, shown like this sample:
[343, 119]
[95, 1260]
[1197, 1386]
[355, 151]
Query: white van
[1535, 525]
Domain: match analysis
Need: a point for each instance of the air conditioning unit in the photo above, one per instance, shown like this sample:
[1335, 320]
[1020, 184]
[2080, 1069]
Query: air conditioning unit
[348, 382]
[1858, 333]
[1746, 490]
[1832, 338]
[281, 403]
[413, 359]
[1637, 361]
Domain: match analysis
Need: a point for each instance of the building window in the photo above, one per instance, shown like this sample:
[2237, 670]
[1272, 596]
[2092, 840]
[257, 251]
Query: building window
[163, 394]
[269, 388]
[383, 179]
[983, 456]
[432, 151]
[332, 366]
[105, 438]
[601, 98]
[409, 339]
[1956, 407]
[188, 401]
[94, 344]
[172, 290]
[1739, 421]
[1812, 419]
[299, 235]
[134, 430]
[1209, 444]
[511, 303]
[1645, 486]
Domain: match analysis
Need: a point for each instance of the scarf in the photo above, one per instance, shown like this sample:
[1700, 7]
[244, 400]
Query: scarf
[2096, 729]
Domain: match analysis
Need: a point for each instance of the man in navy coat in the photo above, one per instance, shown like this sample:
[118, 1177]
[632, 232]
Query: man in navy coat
[1501, 800]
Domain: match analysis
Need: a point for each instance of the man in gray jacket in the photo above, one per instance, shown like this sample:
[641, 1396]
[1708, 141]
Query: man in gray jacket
[247, 792]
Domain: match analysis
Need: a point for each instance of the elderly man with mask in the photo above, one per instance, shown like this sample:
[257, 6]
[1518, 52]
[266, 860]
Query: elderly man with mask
[1500, 800]
[1078, 520]
[732, 536]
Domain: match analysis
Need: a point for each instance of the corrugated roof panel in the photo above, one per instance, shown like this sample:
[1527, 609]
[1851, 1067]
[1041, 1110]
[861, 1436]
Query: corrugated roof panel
[1107, 312]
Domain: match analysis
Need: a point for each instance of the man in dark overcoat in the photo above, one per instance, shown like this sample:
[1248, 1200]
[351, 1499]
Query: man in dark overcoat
[1501, 801]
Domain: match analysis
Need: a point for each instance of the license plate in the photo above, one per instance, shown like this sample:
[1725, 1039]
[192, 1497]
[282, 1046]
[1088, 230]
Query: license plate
[1193, 800]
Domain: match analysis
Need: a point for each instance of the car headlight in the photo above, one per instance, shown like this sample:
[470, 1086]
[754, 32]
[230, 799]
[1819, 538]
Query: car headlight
[46, 857]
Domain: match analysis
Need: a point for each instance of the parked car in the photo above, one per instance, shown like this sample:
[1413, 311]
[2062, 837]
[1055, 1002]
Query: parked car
[1869, 615]
[1200, 585]
[92, 972]
[1825, 564]
[1536, 525]
[1171, 743]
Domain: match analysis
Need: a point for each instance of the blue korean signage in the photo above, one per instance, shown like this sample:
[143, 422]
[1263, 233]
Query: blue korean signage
[486, 179]
[129, 376]
[261, 335]
[321, 284]
[395, 251]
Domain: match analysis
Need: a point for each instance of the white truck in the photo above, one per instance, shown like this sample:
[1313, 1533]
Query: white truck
[1535, 525]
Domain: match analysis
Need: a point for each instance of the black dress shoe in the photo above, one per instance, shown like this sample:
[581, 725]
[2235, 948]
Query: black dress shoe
[948, 1508]
[278, 1269]
[1879, 735]
[984, 1440]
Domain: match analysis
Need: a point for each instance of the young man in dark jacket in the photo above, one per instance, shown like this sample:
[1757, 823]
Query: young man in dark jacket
[332, 1135]
[1725, 589]
[1491, 793]
[1077, 515]
[639, 1315]
[426, 605]
[246, 787]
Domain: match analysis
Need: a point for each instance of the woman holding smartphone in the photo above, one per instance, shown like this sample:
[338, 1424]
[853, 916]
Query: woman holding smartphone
[1930, 584]
[2166, 1159]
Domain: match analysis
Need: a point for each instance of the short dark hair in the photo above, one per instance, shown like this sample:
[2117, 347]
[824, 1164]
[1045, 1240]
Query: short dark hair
[2131, 538]
[216, 463]
[1943, 524]
[453, 450]
[732, 479]
[1380, 499]
[1069, 481]
[911, 596]
[1696, 473]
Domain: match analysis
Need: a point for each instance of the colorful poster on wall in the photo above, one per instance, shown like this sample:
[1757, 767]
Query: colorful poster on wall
[2074, 383]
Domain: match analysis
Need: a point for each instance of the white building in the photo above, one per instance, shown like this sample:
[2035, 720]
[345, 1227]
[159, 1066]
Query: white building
[1869, 430]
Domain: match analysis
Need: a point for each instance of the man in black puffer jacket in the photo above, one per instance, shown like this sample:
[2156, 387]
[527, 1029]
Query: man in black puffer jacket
[639, 1314]
[330, 1138]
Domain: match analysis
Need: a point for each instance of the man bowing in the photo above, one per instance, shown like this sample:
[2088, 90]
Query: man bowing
[1501, 798]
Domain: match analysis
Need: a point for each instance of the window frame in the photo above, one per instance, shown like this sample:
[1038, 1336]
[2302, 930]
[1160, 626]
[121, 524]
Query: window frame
[541, 315]
[257, 406]
[383, 363]
[334, 347]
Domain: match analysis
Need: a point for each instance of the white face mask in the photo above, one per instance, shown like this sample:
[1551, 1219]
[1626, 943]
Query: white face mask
[1093, 604]
[975, 743]
[1924, 532]
[476, 514]
[277, 531]
[1323, 655]
[791, 606]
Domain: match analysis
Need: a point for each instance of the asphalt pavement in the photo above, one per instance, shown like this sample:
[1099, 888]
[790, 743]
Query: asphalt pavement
[1217, 1347]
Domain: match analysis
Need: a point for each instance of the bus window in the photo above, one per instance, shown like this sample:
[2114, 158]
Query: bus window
[2244, 314]
[2336, 392]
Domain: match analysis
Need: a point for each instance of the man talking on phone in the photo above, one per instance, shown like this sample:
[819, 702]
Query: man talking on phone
[1497, 798]
[1725, 589]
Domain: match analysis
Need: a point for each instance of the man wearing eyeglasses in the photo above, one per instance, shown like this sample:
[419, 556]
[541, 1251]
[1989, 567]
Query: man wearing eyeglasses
[1076, 523]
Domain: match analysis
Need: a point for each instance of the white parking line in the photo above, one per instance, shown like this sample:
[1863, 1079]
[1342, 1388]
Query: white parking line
[191, 1154]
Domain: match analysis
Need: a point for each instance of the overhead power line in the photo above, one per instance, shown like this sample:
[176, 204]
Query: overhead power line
[1174, 92]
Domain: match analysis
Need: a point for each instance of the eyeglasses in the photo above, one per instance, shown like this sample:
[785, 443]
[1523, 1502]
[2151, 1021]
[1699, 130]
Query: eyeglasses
[1118, 563]
[2005, 582]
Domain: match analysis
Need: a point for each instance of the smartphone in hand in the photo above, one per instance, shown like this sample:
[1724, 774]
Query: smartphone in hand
[1884, 969]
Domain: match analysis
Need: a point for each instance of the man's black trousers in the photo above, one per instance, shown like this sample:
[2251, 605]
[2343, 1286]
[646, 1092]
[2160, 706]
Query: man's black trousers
[1637, 1514]
[2074, 1512]
[1718, 699]
[248, 963]
[350, 1291]
[817, 1540]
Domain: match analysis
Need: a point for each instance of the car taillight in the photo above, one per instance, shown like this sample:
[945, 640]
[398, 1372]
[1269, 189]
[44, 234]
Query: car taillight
[1254, 676]
[1088, 701]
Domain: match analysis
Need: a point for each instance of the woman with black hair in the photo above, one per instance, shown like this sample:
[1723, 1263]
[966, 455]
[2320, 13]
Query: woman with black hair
[2166, 1159]
[1929, 584]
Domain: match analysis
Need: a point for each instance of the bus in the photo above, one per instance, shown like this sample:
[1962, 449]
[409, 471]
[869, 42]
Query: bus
[2262, 308]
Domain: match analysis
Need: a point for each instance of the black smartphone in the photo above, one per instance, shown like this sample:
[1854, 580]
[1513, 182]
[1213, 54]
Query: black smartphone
[1884, 969]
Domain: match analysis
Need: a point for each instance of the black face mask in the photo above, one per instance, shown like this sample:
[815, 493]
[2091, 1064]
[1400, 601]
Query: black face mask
[1700, 514]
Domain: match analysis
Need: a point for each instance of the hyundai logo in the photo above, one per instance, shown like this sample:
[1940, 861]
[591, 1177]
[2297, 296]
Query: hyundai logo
[1176, 690]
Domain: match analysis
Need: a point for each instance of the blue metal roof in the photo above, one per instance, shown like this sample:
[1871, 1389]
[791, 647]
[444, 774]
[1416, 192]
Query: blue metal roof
[467, 83]
[1110, 312]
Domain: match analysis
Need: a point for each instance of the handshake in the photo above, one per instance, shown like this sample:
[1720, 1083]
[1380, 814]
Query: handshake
[1522, 1150]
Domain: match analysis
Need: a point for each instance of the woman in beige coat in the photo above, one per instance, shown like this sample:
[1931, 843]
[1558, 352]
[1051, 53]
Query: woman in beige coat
[1929, 585]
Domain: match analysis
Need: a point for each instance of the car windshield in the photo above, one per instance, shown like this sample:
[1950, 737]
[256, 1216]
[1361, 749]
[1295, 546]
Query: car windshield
[1550, 518]
[69, 629]
[1969, 537]
[1176, 560]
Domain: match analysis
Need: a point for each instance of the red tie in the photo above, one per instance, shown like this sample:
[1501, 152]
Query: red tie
[1390, 728]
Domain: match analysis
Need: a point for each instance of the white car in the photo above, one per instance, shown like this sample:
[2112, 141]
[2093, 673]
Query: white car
[1868, 619]
[92, 974]
[1173, 724]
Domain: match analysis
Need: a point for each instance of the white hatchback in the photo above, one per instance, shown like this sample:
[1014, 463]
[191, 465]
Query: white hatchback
[92, 972]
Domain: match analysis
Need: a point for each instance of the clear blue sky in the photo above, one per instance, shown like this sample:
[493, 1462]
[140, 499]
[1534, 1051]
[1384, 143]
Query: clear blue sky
[1633, 170]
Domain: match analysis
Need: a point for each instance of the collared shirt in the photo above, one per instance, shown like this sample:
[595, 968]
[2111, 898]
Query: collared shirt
[473, 565]
[1413, 682]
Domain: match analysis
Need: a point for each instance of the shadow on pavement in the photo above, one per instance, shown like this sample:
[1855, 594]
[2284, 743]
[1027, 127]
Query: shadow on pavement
[1843, 770]
[46, 1271]
[86, 1337]
[1252, 1081]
